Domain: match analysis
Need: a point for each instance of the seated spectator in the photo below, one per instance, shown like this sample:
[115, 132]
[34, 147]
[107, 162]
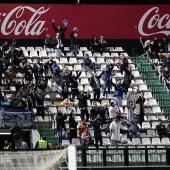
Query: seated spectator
[161, 48]
[94, 44]
[10, 76]
[5, 49]
[7, 145]
[122, 63]
[166, 77]
[166, 61]
[133, 130]
[167, 48]
[161, 130]
[102, 43]
[115, 127]
[88, 65]
[6, 62]
[48, 44]
[86, 138]
[81, 128]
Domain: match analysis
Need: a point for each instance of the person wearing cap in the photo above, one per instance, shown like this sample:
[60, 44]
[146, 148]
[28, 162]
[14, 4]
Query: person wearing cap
[42, 143]
[48, 44]
[115, 127]
[161, 129]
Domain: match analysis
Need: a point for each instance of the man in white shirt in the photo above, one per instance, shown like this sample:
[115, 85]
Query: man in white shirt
[112, 110]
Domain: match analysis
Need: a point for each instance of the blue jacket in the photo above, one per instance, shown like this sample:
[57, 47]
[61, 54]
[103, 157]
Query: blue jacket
[134, 128]
[96, 126]
[87, 62]
[119, 89]
[107, 72]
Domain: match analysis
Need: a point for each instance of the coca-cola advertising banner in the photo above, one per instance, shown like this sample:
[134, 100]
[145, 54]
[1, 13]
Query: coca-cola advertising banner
[112, 21]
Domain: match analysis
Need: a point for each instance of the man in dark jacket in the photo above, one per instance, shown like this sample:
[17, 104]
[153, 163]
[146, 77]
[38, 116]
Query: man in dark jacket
[74, 42]
[83, 104]
[95, 84]
[88, 65]
[48, 44]
[161, 130]
[74, 83]
[16, 133]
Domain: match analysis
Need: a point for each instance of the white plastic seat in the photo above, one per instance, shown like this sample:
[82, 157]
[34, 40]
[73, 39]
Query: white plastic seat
[105, 55]
[12, 88]
[66, 49]
[88, 52]
[106, 141]
[152, 118]
[43, 54]
[146, 141]
[135, 74]
[63, 60]
[84, 81]
[147, 95]
[114, 55]
[25, 53]
[143, 87]
[65, 142]
[152, 102]
[136, 141]
[38, 49]
[154, 124]
[83, 74]
[96, 54]
[100, 60]
[77, 67]
[92, 59]
[119, 49]
[23, 48]
[73, 60]
[63, 109]
[151, 132]
[30, 48]
[139, 81]
[88, 87]
[80, 87]
[83, 49]
[80, 54]
[165, 141]
[75, 141]
[53, 110]
[161, 117]
[156, 109]
[156, 141]
[34, 54]
[71, 109]
[146, 125]
[109, 60]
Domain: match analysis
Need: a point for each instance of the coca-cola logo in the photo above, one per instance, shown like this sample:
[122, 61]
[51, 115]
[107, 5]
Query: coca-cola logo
[12, 22]
[152, 20]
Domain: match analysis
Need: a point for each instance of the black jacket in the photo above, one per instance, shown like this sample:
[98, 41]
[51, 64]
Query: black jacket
[74, 41]
[83, 100]
[60, 121]
[160, 129]
[73, 80]
[16, 132]
[93, 82]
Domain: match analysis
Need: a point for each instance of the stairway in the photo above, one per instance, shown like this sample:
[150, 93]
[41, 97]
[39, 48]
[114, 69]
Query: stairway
[154, 85]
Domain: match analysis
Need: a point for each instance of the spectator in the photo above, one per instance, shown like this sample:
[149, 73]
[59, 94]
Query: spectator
[97, 130]
[7, 145]
[161, 129]
[55, 68]
[1, 72]
[60, 121]
[95, 110]
[104, 113]
[83, 104]
[47, 69]
[107, 78]
[115, 127]
[147, 43]
[130, 114]
[112, 111]
[20, 104]
[122, 63]
[10, 76]
[16, 133]
[166, 61]
[5, 49]
[166, 77]
[161, 48]
[152, 50]
[48, 44]
[15, 48]
[61, 30]
[74, 84]
[88, 65]
[65, 90]
[6, 62]
[74, 43]
[42, 84]
[28, 70]
[37, 69]
[15, 63]
[24, 145]
[64, 76]
[72, 127]
[141, 101]
[119, 90]
[164, 41]
[94, 44]
[86, 138]
[102, 43]
[95, 84]
[42, 144]
[81, 128]
[167, 48]
[133, 130]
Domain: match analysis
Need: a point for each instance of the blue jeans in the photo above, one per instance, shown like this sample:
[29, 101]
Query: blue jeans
[107, 84]
[134, 136]
[74, 52]
[120, 100]
[18, 143]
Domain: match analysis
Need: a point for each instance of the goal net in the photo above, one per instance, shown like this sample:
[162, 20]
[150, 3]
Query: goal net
[33, 160]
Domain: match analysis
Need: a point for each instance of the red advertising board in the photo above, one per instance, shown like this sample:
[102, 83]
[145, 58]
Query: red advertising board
[112, 21]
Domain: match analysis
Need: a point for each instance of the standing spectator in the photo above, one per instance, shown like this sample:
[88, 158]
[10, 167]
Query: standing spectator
[167, 48]
[60, 30]
[95, 110]
[95, 84]
[86, 138]
[28, 70]
[161, 129]
[1, 72]
[48, 69]
[97, 130]
[5, 61]
[130, 115]
[40, 103]
[133, 130]
[5, 49]
[37, 69]
[72, 127]
[83, 104]
[65, 90]
[74, 43]
[81, 128]
[15, 48]
[141, 101]
[107, 78]
[104, 113]
[94, 44]
[119, 90]
[164, 41]
[74, 84]
[10, 76]
[122, 63]
[60, 122]
[88, 65]
[102, 43]
[115, 127]
[48, 44]
[64, 76]
[112, 110]
[55, 69]
[16, 133]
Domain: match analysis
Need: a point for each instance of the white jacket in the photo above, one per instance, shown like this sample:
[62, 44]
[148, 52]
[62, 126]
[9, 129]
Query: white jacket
[115, 130]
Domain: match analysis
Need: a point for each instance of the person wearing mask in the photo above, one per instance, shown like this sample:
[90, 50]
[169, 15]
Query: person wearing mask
[161, 129]
[133, 130]
[95, 84]
[115, 127]
[119, 90]
[74, 44]
[42, 144]
[7, 145]
[17, 135]
[74, 83]
[83, 104]
[107, 78]
[60, 30]
[88, 65]
[48, 44]
[81, 128]
[72, 127]
[97, 123]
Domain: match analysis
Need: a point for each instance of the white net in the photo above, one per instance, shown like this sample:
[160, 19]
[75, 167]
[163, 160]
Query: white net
[33, 160]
